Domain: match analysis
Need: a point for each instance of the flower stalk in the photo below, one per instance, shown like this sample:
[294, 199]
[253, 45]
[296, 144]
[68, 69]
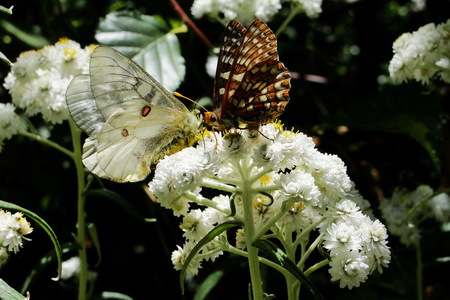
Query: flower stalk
[81, 215]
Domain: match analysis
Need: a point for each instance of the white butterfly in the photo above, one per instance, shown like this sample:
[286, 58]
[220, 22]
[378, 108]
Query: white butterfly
[132, 121]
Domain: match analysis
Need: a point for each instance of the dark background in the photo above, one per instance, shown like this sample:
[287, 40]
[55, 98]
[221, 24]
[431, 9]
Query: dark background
[136, 256]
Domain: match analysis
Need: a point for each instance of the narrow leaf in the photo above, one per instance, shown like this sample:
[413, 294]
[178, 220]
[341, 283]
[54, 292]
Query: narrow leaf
[208, 285]
[94, 237]
[45, 262]
[34, 40]
[208, 237]
[8, 293]
[41, 222]
[276, 255]
[5, 59]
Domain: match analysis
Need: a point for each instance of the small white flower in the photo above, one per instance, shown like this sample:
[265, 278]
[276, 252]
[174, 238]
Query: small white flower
[233, 146]
[342, 237]
[345, 210]
[440, 207]
[179, 257]
[196, 224]
[299, 216]
[330, 174]
[298, 183]
[178, 173]
[240, 239]
[243, 10]
[38, 80]
[349, 268]
[70, 268]
[376, 245]
[312, 8]
[9, 122]
[395, 210]
[422, 54]
[286, 151]
[246, 11]
[13, 228]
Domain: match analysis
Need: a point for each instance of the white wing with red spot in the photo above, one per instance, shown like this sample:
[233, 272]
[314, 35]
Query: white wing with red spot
[132, 121]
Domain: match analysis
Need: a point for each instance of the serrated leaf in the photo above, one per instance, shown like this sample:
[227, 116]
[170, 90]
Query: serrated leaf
[41, 222]
[276, 255]
[148, 41]
[206, 239]
[8, 293]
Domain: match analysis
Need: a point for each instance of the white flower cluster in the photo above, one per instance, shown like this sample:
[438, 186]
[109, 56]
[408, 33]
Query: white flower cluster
[395, 210]
[422, 55]
[246, 11]
[13, 228]
[38, 80]
[292, 188]
[9, 122]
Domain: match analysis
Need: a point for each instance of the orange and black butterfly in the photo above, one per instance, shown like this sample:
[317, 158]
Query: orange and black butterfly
[251, 85]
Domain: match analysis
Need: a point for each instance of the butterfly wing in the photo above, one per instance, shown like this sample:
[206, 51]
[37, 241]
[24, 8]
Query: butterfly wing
[231, 42]
[261, 96]
[131, 120]
[251, 85]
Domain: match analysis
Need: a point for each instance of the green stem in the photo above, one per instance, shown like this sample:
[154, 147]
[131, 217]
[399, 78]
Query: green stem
[47, 142]
[419, 272]
[263, 260]
[292, 14]
[76, 140]
[292, 284]
[249, 227]
[317, 266]
[265, 228]
[293, 287]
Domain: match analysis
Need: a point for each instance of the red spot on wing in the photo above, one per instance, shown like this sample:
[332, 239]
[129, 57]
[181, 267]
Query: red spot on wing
[145, 110]
[125, 132]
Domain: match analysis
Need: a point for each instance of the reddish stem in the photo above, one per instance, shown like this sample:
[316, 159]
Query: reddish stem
[190, 23]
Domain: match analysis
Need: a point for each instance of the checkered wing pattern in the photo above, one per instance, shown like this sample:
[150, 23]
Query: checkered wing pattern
[251, 86]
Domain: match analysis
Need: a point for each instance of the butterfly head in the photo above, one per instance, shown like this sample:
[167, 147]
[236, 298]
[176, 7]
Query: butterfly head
[211, 120]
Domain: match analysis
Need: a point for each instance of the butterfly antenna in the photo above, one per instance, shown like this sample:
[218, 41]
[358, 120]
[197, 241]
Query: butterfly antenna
[189, 99]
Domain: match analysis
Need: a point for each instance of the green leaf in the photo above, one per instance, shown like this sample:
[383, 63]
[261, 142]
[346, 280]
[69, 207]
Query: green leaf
[6, 10]
[94, 237]
[208, 237]
[46, 261]
[276, 255]
[147, 40]
[208, 285]
[8, 293]
[5, 59]
[41, 222]
[34, 40]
